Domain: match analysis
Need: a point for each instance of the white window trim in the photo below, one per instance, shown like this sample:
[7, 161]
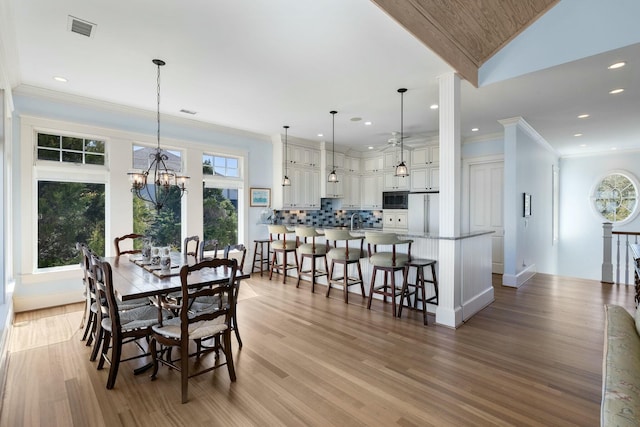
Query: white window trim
[592, 198]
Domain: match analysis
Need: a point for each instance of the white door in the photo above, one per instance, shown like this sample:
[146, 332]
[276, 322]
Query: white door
[486, 206]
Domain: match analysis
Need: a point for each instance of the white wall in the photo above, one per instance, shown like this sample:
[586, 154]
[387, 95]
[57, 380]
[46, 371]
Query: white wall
[528, 241]
[580, 248]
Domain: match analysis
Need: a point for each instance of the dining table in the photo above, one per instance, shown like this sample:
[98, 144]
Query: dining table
[135, 278]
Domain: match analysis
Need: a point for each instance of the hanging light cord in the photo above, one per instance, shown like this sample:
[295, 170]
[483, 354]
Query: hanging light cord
[285, 151]
[402, 125]
[158, 102]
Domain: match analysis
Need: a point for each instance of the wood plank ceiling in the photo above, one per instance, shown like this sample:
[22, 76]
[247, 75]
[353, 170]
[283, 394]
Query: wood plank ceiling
[465, 33]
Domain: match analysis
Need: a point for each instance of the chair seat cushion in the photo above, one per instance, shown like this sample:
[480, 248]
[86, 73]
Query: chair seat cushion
[280, 244]
[137, 318]
[307, 249]
[134, 303]
[341, 254]
[197, 330]
[385, 259]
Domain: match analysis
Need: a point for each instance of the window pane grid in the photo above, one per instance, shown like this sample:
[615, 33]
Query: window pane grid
[70, 149]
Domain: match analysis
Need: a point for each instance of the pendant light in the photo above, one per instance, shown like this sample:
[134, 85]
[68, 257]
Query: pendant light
[401, 169]
[333, 177]
[286, 182]
[154, 185]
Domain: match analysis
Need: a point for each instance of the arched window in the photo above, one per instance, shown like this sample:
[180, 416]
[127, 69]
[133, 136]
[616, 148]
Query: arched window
[615, 197]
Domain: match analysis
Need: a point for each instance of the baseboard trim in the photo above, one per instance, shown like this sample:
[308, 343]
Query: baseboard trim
[517, 280]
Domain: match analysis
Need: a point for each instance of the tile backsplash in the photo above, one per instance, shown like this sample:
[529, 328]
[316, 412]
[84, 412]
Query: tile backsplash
[330, 214]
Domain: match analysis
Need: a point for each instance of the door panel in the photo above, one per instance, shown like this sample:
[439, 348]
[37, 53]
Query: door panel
[486, 206]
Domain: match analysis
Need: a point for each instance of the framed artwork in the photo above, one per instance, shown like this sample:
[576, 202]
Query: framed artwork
[259, 197]
[527, 205]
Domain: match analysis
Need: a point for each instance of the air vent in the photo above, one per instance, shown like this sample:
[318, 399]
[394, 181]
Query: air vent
[188, 112]
[78, 26]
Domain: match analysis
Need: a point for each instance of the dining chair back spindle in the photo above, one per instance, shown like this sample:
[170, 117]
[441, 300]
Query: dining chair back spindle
[190, 248]
[133, 237]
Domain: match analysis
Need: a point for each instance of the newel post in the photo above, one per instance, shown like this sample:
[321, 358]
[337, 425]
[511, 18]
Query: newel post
[607, 267]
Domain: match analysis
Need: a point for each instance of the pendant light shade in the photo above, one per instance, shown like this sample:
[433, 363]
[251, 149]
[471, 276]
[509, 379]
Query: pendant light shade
[333, 177]
[286, 182]
[401, 169]
[155, 184]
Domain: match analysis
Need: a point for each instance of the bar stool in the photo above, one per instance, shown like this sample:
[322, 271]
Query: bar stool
[419, 265]
[310, 250]
[260, 257]
[284, 247]
[345, 255]
[388, 262]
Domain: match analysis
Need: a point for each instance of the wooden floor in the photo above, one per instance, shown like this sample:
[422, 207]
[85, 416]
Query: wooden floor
[533, 357]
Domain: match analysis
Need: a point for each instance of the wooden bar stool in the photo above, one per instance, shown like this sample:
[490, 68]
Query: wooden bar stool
[419, 265]
[280, 245]
[313, 251]
[387, 262]
[345, 255]
[260, 257]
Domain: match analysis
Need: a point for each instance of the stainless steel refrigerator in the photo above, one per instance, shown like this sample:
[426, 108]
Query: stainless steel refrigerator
[423, 210]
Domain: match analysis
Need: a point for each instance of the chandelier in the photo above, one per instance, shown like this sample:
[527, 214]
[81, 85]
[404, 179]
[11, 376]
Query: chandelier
[154, 185]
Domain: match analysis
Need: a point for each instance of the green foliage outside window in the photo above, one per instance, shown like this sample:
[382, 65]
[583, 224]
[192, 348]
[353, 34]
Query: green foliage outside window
[615, 197]
[69, 212]
[220, 218]
[162, 227]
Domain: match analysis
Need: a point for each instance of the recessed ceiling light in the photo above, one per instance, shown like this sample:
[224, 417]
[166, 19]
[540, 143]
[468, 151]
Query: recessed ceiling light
[617, 65]
[583, 116]
[583, 145]
[320, 134]
[370, 148]
[613, 148]
[475, 130]
[367, 123]
[60, 79]
[577, 134]
[613, 92]
[434, 107]
[356, 119]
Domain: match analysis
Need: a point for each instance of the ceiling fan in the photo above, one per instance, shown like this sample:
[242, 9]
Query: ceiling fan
[395, 139]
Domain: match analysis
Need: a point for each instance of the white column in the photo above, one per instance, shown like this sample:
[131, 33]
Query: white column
[607, 266]
[449, 311]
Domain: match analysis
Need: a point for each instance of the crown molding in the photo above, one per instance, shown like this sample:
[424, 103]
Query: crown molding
[529, 130]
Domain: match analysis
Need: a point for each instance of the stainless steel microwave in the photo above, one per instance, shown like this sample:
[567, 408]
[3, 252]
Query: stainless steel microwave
[395, 200]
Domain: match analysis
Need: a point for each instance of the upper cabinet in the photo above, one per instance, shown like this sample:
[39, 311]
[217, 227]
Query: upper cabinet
[373, 164]
[303, 156]
[425, 156]
[338, 159]
[351, 164]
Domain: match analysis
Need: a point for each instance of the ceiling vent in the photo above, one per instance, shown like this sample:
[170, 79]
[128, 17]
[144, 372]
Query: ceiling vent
[78, 26]
[188, 112]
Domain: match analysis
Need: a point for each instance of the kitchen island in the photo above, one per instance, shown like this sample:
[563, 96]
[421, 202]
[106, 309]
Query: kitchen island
[462, 294]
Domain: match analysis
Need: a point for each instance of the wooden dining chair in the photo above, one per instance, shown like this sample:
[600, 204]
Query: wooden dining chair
[89, 316]
[132, 237]
[209, 245]
[190, 248]
[212, 322]
[120, 326]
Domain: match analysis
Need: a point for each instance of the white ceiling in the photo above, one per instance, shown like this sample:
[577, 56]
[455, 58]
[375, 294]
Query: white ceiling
[259, 65]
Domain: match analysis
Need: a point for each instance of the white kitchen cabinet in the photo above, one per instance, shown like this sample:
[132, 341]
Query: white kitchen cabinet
[351, 164]
[393, 182]
[339, 160]
[304, 191]
[334, 189]
[351, 192]
[303, 156]
[425, 179]
[391, 159]
[373, 164]
[395, 220]
[425, 156]
[371, 195]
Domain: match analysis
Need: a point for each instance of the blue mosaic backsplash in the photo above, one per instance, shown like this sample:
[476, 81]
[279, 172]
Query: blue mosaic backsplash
[329, 215]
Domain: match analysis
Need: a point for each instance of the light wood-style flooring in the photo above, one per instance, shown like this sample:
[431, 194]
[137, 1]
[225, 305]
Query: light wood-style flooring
[532, 358]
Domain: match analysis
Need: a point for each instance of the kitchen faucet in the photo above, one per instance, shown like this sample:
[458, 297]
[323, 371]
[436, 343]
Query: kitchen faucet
[355, 216]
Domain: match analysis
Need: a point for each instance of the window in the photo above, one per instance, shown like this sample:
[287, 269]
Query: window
[220, 166]
[615, 197]
[162, 227]
[69, 212]
[70, 149]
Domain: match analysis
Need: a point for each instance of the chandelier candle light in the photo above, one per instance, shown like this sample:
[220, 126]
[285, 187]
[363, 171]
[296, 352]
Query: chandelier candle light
[286, 182]
[333, 177]
[401, 169]
[162, 178]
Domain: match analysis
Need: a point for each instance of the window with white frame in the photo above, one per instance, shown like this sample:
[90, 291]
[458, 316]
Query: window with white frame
[70, 199]
[614, 197]
[221, 199]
